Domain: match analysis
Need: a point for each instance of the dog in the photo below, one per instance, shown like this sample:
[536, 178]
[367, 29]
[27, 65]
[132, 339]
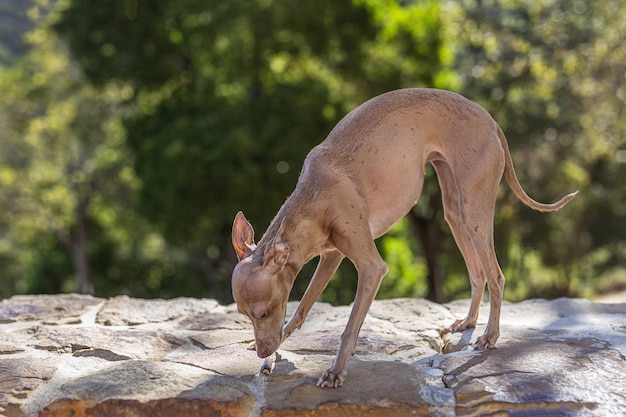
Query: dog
[354, 186]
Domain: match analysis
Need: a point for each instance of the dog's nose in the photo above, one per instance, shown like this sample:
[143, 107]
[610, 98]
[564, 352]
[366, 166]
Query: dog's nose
[263, 351]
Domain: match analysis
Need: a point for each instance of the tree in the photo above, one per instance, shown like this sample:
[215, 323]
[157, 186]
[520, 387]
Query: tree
[64, 164]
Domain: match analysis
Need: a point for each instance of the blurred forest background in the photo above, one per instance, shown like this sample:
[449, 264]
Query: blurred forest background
[132, 131]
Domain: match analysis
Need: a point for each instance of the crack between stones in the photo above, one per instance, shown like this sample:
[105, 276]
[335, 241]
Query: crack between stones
[314, 352]
[197, 343]
[89, 318]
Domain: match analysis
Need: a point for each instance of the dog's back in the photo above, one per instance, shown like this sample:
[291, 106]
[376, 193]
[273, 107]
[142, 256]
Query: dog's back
[382, 146]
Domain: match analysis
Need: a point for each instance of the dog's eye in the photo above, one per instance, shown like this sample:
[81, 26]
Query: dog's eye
[263, 315]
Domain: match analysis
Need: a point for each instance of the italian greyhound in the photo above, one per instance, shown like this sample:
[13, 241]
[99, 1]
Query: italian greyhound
[353, 187]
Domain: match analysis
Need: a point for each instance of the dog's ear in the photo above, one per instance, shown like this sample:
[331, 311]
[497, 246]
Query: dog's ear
[243, 237]
[276, 251]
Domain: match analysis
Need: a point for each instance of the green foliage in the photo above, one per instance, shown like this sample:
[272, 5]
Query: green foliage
[132, 132]
[252, 87]
[64, 150]
[406, 271]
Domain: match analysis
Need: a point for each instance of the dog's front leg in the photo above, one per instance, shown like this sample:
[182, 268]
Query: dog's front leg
[326, 268]
[370, 277]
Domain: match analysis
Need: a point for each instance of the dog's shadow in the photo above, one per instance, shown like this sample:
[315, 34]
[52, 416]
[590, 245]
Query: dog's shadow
[284, 366]
[454, 345]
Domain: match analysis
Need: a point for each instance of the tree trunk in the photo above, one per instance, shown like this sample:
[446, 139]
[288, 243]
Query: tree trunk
[197, 258]
[429, 235]
[80, 258]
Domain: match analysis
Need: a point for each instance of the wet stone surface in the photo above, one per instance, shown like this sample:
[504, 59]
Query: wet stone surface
[85, 356]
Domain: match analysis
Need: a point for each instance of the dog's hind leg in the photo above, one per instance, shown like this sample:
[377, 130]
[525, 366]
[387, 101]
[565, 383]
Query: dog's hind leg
[478, 187]
[483, 242]
[452, 214]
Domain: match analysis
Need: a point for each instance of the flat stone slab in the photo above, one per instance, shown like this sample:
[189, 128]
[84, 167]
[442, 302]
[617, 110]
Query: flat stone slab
[123, 310]
[84, 356]
[47, 308]
[538, 376]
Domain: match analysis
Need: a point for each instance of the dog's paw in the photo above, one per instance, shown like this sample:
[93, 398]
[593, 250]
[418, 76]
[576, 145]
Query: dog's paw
[332, 378]
[288, 331]
[485, 342]
[462, 325]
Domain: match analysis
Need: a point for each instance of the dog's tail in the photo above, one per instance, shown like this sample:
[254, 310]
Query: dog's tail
[511, 178]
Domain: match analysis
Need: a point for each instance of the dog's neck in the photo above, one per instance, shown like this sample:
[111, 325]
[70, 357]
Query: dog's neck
[301, 234]
[305, 232]
[296, 238]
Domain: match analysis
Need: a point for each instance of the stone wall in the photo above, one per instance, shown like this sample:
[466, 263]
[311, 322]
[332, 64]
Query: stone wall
[72, 355]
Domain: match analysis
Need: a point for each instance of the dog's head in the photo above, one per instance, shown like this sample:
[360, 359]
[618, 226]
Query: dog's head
[261, 284]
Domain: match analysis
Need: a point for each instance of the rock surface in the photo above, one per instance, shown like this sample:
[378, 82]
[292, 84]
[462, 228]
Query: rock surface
[73, 355]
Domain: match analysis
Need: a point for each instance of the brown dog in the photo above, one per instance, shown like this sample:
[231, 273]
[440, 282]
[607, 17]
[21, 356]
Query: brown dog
[354, 186]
